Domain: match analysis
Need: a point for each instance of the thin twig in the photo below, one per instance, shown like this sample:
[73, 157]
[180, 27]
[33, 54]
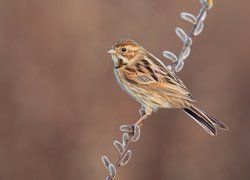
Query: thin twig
[126, 147]
[191, 35]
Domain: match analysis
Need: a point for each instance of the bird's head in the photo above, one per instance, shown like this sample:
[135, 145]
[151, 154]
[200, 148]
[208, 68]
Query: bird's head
[125, 52]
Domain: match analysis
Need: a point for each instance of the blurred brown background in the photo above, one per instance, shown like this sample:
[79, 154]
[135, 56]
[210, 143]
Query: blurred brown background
[60, 107]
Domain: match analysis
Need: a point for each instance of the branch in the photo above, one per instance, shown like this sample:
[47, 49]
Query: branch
[198, 26]
[132, 133]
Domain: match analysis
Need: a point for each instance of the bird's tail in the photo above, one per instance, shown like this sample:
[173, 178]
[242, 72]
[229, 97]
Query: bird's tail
[206, 121]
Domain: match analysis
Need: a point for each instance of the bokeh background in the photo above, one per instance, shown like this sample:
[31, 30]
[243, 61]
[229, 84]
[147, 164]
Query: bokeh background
[60, 107]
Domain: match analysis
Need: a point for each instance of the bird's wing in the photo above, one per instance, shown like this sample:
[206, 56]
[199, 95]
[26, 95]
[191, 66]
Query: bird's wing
[152, 74]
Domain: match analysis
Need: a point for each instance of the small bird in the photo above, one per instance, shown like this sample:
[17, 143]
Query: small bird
[146, 79]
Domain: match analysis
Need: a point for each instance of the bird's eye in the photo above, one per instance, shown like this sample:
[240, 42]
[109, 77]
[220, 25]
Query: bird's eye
[124, 49]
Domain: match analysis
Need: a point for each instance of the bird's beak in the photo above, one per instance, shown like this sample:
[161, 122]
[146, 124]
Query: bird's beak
[111, 51]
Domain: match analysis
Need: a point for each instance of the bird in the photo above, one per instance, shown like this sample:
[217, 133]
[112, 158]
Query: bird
[149, 82]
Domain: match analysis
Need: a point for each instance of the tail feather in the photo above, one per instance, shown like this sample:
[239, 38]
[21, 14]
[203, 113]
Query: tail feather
[206, 121]
[216, 122]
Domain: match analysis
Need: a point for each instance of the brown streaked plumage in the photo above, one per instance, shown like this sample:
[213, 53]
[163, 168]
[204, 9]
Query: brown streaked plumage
[146, 79]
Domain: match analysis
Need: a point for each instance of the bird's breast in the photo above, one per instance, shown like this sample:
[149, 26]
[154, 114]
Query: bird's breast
[128, 87]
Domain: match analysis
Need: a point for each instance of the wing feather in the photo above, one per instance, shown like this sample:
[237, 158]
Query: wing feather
[150, 73]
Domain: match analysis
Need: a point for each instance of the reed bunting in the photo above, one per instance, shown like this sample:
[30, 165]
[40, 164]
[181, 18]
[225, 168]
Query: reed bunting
[146, 79]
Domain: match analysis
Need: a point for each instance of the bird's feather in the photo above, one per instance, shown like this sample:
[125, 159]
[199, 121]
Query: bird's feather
[151, 74]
